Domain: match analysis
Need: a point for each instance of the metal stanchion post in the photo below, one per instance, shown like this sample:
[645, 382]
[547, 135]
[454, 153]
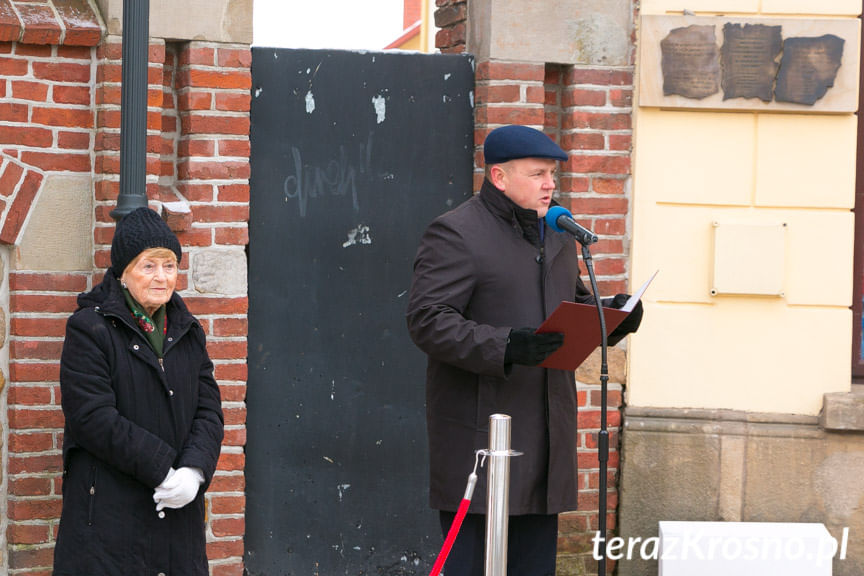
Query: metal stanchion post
[498, 495]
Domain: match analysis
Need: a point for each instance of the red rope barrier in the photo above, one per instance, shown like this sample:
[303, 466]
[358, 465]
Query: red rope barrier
[451, 537]
[454, 528]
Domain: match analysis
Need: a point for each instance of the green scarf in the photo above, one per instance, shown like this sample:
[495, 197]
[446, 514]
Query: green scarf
[153, 328]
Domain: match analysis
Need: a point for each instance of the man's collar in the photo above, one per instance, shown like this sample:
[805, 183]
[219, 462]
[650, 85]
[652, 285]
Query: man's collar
[503, 206]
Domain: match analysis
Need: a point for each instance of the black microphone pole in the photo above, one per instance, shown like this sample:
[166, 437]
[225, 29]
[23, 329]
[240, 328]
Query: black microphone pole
[603, 438]
[561, 220]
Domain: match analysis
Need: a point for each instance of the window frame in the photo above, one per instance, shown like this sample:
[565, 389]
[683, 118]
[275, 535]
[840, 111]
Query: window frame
[858, 280]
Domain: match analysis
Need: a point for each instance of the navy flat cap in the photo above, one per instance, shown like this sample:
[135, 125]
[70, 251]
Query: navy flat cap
[511, 142]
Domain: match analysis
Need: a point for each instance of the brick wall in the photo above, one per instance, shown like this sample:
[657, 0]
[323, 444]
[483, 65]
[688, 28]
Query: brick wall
[450, 16]
[60, 114]
[588, 111]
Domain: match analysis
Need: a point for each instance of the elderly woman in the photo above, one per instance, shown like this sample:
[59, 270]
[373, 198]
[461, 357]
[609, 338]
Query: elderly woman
[143, 417]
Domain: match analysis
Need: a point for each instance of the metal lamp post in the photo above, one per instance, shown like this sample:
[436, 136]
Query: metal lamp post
[133, 108]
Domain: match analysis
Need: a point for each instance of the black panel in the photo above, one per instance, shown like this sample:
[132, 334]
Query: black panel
[352, 155]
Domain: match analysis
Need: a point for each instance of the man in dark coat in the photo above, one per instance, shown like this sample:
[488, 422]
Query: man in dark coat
[486, 275]
[143, 415]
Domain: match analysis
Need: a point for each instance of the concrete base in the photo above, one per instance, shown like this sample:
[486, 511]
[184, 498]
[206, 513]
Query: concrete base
[720, 465]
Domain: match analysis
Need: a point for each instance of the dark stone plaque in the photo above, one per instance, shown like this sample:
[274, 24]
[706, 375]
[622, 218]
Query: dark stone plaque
[690, 62]
[749, 60]
[808, 68]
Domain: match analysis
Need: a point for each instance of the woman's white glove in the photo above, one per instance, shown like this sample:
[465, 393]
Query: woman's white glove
[179, 488]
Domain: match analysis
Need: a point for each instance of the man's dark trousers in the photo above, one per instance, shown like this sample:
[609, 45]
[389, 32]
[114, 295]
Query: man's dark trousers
[532, 543]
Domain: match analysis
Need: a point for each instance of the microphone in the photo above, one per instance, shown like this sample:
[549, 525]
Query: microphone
[561, 220]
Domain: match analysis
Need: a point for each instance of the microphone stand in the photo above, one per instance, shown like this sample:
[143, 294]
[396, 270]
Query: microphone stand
[603, 438]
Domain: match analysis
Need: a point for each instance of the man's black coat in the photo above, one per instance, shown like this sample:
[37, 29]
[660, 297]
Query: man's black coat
[477, 275]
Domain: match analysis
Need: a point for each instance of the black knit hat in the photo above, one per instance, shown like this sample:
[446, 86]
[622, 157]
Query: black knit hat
[137, 231]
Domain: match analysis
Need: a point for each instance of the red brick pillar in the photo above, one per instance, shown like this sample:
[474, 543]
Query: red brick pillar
[450, 17]
[588, 111]
[213, 101]
[46, 126]
[505, 93]
[64, 117]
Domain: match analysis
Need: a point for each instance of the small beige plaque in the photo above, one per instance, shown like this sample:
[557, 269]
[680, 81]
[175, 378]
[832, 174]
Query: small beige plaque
[749, 259]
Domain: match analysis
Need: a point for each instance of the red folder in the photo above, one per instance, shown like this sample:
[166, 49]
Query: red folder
[580, 325]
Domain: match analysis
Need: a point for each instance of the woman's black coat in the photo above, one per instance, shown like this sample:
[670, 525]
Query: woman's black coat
[128, 421]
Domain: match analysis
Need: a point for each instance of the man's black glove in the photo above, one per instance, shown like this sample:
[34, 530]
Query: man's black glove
[529, 349]
[629, 324]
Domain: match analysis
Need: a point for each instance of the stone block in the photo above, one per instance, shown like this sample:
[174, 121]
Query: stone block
[803, 161]
[202, 20]
[779, 480]
[666, 475]
[704, 145]
[219, 271]
[677, 343]
[588, 32]
[816, 479]
[2, 338]
[732, 457]
[843, 411]
[823, 7]
[719, 6]
[58, 236]
[708, 465]
[573, 565]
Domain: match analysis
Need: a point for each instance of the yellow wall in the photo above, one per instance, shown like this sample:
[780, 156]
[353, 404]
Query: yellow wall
[412, 43]
[694, 171]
